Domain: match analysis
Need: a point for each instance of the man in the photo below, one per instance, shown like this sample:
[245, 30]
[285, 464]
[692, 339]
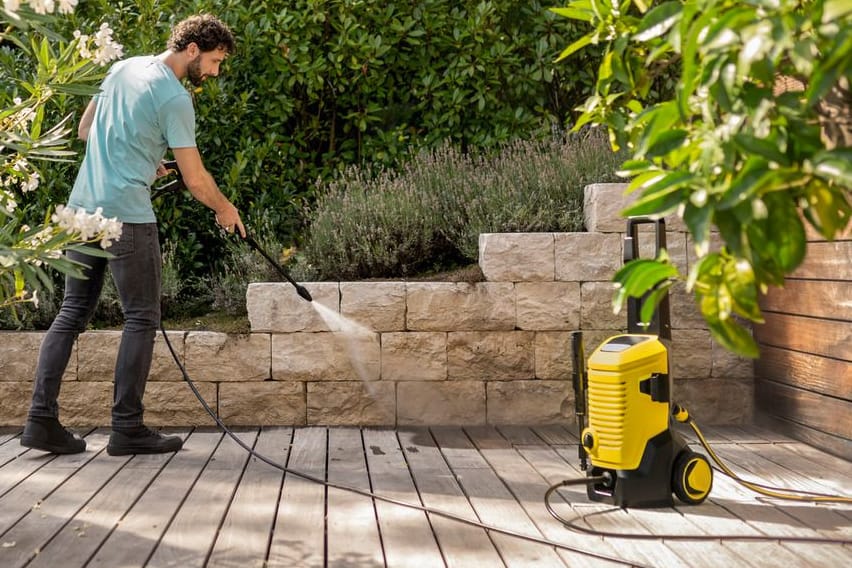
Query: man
[142, 110]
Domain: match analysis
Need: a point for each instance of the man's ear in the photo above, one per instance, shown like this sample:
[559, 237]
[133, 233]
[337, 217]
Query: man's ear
[192, 50]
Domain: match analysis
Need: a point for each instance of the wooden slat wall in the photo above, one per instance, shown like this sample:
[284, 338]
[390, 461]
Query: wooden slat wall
[803, 380]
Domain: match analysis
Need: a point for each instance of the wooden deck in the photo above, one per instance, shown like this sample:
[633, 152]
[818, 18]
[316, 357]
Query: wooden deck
[211, 505]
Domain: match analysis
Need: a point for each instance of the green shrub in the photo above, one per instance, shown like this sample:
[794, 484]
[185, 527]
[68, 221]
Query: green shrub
[318, 86]
[428, 214]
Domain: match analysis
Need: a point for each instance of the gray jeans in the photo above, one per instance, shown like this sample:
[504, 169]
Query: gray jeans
[136, 270]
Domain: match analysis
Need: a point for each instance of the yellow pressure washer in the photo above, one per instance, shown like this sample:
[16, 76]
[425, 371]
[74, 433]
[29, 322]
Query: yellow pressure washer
[637, 459]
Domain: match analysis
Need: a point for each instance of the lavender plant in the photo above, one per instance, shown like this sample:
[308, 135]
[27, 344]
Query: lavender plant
[428, 214]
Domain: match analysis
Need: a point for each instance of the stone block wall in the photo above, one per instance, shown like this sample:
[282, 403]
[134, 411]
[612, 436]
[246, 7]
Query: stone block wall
[407, 353]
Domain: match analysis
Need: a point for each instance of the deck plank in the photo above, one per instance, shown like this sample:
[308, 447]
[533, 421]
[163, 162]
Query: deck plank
[353, 534]
[140, 530]
[83, 534]
[8, 433]
[463, 545]
[495, 504]
[188, 539]
[528, 486]
[212, 505]
[243, 539]
[50, 513]
[607, 518]
[763, 519]
[44, 473]
[299, 535]
[406, 533]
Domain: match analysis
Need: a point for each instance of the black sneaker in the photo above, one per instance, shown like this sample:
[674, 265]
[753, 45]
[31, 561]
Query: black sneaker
[47, 434]
[141, 440]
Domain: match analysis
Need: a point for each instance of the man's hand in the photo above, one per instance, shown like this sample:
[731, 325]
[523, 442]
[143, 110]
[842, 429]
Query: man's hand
[162, 171]
[229, 219]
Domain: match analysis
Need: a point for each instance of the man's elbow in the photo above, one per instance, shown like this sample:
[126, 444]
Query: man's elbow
[83, 133]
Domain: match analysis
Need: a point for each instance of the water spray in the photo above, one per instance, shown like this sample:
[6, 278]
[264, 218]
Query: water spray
[178, 184]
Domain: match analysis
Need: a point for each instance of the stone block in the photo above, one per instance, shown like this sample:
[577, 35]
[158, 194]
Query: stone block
[378, 306]
[460, 306]
[490, 355]
[19, 356]
[675, 245]
[163, 366]
[691, 354]
[553, 355]
[212, 356]
[684, 311]
[352, 403]
[450, 403]
[529, 402]
[89, 403]
[587, 257]
[547, 306]
[596, 307]
[174, 404]
[727, 365]
[264, 403]
[96, 354]
[516, 257]
[326, 356]
[414, 356]
[15, 399]
[276, 307]
[603, 204]
[717, 401]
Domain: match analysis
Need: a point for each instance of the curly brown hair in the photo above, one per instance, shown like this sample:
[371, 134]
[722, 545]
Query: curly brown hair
[206, 31]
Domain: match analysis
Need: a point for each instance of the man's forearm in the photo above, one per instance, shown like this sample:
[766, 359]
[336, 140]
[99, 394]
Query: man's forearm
[205, 190]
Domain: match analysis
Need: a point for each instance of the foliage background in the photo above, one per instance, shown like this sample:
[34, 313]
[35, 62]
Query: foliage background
[316, 86]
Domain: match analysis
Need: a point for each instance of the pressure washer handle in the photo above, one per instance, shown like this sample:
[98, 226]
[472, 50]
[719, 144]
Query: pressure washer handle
[579, 378]
[175, 184]
[301, 290]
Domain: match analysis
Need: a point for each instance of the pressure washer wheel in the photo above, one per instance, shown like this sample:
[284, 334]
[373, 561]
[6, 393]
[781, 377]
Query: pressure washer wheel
[692, 477]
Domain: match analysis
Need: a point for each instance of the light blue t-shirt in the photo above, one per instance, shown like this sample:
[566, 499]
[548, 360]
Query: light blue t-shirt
[141, 111]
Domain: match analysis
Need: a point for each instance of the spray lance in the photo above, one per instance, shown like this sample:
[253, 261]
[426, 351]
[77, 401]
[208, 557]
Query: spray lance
[178, 184]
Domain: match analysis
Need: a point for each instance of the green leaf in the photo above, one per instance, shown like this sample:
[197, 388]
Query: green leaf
[835, 165]
[574, 47]
[761, 147]
[740, 280]
[748, 183]
[734, 337]
[666, 142]
[658, 21]
[575, 11]
[638, 277]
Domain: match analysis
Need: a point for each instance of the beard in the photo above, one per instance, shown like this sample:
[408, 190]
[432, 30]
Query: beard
[193, 72]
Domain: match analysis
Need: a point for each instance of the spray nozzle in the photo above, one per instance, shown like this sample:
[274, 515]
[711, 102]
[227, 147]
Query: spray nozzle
[303, 292]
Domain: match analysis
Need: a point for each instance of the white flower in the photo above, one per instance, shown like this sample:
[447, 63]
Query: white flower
[42, 6]
[11, 6]
[67, 6]
[106, 49]
[88, 226]
[32, 183]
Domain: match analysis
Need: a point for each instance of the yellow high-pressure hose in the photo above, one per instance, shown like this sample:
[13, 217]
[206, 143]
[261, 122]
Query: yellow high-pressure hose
[681, 415]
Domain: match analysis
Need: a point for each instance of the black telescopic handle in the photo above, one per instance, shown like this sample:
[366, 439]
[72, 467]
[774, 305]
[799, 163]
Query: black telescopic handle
[172, 166]
[301, 290]
[579, 379]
